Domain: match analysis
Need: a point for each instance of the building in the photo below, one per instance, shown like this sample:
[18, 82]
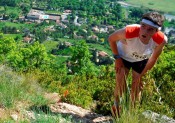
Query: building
[40, 15]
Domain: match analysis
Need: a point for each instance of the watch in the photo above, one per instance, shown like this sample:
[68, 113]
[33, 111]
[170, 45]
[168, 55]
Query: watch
[116, 56]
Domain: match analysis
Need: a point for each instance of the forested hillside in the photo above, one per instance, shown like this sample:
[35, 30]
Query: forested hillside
[71, 56]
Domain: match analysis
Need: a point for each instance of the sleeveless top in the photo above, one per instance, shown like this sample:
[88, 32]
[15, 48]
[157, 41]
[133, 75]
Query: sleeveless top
[132, 49]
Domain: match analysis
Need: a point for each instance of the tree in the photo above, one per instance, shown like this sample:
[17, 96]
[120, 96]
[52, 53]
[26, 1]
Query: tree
[118, 12]
[27, 57]
[25, 8]
[7, 45]
[80, 59]
[13, 15]
[136, 12]
[10, 2]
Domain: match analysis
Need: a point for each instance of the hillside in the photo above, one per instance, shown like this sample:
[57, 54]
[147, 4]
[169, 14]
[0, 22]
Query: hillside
[52, 50]
[41, 106]
[35, 104]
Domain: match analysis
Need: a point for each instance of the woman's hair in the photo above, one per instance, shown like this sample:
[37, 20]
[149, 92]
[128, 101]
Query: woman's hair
[155, 17]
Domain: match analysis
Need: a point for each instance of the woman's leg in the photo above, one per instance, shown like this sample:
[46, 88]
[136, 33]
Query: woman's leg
[136, 87]
[120, 87]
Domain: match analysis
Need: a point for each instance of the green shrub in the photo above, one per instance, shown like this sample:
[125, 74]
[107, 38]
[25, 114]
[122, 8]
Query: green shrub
[78, 96]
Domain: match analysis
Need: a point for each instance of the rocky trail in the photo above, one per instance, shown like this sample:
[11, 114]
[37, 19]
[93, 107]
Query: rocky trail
[65, 110]
[69, 113]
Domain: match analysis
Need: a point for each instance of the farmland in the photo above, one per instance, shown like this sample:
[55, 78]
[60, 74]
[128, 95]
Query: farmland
[167, 6]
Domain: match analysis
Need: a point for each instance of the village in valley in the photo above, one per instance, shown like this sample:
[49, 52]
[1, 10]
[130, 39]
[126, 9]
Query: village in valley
[94, 27]
[61, 20]
[38, 16]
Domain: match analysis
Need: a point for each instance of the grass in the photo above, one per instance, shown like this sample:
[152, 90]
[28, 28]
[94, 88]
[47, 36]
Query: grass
[14, 88]
[166, 6]
[50, 45]
[132, 117]
[53, 12]
[22, 92]
[2, 9]
[10, 10]
[68, 40]
[100, 47]
[45, 115]
[53, 44]
[14, 36]
[17, 25]
[42, 118]
[128, 113]
[9, 90]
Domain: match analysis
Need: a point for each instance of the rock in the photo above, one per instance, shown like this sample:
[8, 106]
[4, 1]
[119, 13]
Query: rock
[102, 119]
[79, 114]
[14, 117]
[155, 117]
[30, 115]
[2, 112]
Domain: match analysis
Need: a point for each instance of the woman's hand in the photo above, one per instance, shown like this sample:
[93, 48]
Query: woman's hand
[138, 81]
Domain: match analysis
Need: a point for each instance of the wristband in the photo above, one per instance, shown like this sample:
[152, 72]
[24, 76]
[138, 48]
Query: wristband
[116, 56]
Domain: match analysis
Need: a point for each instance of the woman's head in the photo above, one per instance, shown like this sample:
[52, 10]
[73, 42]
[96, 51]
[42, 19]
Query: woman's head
[154, 19]
[151, 22]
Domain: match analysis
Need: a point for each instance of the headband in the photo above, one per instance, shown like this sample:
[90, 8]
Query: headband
[146, 21]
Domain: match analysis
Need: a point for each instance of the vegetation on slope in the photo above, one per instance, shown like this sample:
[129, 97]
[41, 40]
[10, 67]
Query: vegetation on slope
[88, 85]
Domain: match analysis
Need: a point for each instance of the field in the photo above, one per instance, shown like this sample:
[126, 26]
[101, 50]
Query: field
[13, 35]
[1, 8]
[50, 45]
[167, 6]
[53, 44]
[17, 25]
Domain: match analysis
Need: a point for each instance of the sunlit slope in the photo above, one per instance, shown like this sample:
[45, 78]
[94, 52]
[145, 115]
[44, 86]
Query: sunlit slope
[167, 6]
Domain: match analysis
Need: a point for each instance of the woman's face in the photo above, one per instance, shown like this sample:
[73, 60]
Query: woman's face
[146, 32]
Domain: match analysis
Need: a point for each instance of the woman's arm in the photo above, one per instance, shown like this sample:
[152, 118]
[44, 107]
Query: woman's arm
[152, 60]
[115, 37]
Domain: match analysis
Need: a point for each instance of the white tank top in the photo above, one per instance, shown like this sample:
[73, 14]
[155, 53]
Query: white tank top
[132, 49]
